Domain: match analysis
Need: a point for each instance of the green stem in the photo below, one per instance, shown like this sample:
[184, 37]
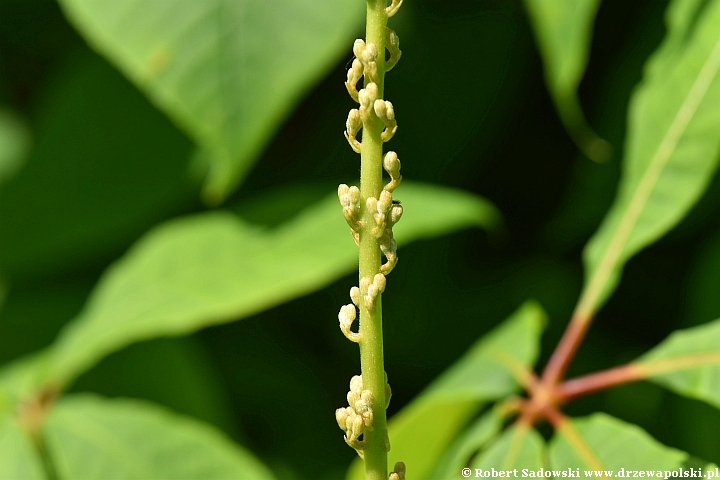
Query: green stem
[371, 184]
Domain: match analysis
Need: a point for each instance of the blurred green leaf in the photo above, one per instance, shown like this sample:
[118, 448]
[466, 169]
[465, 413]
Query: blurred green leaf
[91, 437]
[563, 29]
[420, 432]
[214, 268]
[227, 72]
[602, 442]
[105, 167]
[670, 155]
[688, 362]
[466, 445]
[174, 372]
[18, 458]
[518, 447]
[14, 143]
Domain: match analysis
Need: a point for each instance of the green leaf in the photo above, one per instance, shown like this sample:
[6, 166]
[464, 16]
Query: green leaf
[670, 155]
[14, 143]
[225, 71]
[602, 442]
[687, 362]
[458, 455]
[91, 437]
[18, 458]
[563, 29]
[214, 268]
[421, 432]
[175, 372]
[105, 167]
[518, 447]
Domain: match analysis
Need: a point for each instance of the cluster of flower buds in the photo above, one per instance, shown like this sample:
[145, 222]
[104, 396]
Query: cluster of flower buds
[387, 212]
[370, 289]
[365, 64]
[398, 472]
[349, 200]
[385, 112]
[357, 418]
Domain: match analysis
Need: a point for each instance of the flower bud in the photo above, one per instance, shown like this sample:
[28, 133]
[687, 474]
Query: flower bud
[396, 213]
[385, 202]
[380, 281]
[353, 124]
[341, 416]
[355, 295]
[358, 47]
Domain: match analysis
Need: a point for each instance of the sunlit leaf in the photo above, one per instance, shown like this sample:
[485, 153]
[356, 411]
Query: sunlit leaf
[670, 155]
[226, 71]
[466, 445]
[688, 362]
[601, 442]
[214, 268]
[421, 432]
[518, 447]
[563, 29]
[91, 437]
[18, 457]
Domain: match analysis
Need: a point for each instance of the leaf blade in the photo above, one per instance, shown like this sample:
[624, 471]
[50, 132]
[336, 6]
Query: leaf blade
[614, 443]
[206, 64]
[91, 437]
[18, 458]
[214, 268]
[475, 439]
[563, 31]
[671, 154]
[519, 446]
[687, 362]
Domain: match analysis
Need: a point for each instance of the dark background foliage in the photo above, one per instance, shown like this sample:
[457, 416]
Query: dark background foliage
[473, 112]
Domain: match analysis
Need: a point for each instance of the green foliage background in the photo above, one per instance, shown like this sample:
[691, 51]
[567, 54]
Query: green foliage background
[106, 166]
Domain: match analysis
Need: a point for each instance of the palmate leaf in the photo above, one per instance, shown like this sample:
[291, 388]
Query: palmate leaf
[687, 362]
[563, 29]
[670, 155]
[18, 458]
[91, 437]
[602, 442]
[226, 71]
[421, 432]
[214, 268]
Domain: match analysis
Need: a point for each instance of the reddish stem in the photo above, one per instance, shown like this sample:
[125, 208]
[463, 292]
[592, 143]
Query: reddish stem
[565, 350]
[597, 381]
